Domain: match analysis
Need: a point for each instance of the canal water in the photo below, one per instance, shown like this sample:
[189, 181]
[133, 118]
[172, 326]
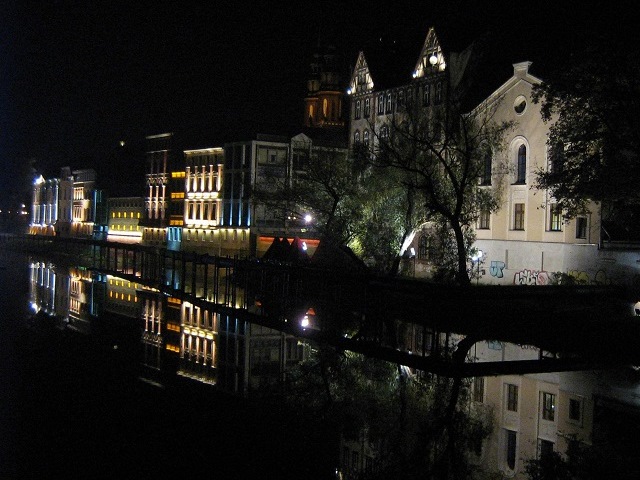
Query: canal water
[77, 401]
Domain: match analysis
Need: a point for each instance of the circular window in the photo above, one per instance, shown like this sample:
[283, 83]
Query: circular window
[520, 104]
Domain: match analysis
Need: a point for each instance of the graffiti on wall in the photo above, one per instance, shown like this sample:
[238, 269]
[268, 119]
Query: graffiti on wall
[532, 277]
[496, 268]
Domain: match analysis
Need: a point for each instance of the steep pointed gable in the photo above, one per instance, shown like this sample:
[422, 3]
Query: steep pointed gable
[361, 81]
[431, 58]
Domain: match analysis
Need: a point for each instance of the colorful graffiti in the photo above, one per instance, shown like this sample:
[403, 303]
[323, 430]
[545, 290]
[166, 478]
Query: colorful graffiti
[496, 268]
[532, 277]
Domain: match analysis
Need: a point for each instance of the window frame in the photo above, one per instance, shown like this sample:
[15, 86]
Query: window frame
[555, 218]
[518, 216]
[484, 220]
[358, 107]
[511, 448]
[512, 394]
[548, 406]
[521, 165]
[581, 227]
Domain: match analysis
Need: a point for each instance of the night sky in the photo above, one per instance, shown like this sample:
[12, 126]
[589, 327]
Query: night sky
[78, 77]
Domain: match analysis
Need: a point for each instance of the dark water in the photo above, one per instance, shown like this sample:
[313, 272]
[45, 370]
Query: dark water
[73, 406]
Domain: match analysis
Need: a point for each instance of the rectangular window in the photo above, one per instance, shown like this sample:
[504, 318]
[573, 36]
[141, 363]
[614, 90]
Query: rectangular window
[512, 397]
[478, 389]
[575, 410]
[518, 216]
[548, 406]
[581, 227]
[555, 219]
[483, 221]
[511, 449]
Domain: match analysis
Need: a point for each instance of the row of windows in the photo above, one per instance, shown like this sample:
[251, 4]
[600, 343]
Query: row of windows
[390, 102]
[124, 214]
[555, 220]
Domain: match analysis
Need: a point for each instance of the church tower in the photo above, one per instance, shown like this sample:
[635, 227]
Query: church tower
[324, 105]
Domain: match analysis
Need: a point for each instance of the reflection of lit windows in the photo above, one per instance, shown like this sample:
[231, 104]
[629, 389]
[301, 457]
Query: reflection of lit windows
[548, 406]
[510, 450]
[512, 397]
[478, 389]
[581, 227]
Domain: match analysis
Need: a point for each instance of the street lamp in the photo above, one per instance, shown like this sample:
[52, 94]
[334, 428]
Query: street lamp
[475, 259]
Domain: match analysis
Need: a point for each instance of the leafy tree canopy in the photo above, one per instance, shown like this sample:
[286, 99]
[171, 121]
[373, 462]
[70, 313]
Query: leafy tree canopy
[592, 107]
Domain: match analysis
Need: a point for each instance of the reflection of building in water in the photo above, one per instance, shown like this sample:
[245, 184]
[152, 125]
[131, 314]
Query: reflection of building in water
[121, 297]
[63, 292]
[212, 347]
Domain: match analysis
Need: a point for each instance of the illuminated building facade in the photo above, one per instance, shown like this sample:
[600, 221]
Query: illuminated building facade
[525, 242]
[51, 205]
[324, 103]
[83, 208]
[202, 198]
[160, 163]
[125, 214]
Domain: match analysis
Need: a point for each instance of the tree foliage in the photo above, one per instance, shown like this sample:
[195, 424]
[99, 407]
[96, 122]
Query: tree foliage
[441, 155]
[401, 415]
[591, 105]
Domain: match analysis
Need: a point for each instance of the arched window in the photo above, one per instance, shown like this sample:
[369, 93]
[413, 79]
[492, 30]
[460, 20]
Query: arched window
[356, 137]
[366, 138]
[521, 167]
[324, 108]
[367, 107]
[357, 112]
[384, 132]
[486, 169]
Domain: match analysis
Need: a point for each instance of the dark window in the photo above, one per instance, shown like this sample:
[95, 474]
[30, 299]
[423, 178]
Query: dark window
[521, 173]
[512, 397]
[426, 94]
[423, 248]
[384, 131]
[486, 170]
[555, 224]
[556, 158]
[355, 461]
[389, 103]
[511, 449]
[518, 216]
[438, 94]
[400, 100]
[478, 389]
[356, 138]
[357, 112]
[548, 406]
[345, 457]
[381, 104]
[366, 138]
[545, 448]
[367, 107]
[575, 409]
[581, 227]
[484, 220]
